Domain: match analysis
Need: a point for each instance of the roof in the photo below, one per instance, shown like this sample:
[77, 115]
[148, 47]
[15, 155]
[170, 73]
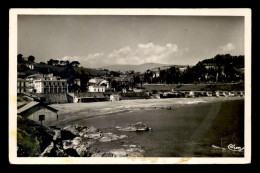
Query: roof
[20, 104]
[98, 81]
[32, 104]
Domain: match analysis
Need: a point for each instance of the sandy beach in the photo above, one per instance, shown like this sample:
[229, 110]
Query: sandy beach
[76, 111]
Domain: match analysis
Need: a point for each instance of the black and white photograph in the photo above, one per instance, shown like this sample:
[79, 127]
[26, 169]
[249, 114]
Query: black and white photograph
[141, 86]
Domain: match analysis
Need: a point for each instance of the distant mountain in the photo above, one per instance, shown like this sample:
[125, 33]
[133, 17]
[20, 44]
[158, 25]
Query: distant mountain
[137, 68]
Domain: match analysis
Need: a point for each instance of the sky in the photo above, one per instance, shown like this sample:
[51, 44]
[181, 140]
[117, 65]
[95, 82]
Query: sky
[98, 40]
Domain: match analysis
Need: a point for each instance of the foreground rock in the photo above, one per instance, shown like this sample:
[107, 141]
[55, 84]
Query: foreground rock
[125, 151]
[72, 141]
[139, 126]
[77, 141]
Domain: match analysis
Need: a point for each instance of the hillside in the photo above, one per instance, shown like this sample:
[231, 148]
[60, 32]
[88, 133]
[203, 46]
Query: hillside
[61, 70]
[137, 68]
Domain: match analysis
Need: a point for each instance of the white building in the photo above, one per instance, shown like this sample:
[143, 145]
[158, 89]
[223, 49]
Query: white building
[96, 88]
[47, 83]
[99, 82]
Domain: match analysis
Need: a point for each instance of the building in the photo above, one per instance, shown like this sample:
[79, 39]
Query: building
[155, 72]
[114, 97]
[38, 112]
[22, 85]
[182, 69]
[48, 83]
[98, 82]
[210, 65]
[93, 88]
[30, 66]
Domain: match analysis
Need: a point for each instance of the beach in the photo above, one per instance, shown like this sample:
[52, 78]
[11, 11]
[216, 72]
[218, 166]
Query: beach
[70, 112]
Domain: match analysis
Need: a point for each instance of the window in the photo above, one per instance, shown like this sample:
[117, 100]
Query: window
[41, 118]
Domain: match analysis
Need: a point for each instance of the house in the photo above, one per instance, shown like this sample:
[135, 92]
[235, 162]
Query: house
[98, 82]
[30, 66]
[50, 84]
[96, 88]
[22, 85]
[38, 112]
[114, 97]
[210, 65]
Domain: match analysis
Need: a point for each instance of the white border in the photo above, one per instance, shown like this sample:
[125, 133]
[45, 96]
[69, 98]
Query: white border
[13, 13]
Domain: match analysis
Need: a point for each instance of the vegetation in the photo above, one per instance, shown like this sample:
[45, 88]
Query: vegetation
[221, 68]
[32, 138]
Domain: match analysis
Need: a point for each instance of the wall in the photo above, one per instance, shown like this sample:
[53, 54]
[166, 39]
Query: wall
[72, 99]
[55, 98]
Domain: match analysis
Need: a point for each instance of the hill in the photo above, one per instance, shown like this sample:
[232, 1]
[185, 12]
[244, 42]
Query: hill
[137, 68]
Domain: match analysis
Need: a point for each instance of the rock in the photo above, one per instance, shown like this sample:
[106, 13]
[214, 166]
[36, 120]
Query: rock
[48, 151]
[94, 135]
[118, 153]
[57, 135]
[139, 126]
[68, 132]
[76, 141]
[61, 153]
[135, 152]
[82, 151]
[92, 130]
[107, 137]
[66, 144]
[71, 152]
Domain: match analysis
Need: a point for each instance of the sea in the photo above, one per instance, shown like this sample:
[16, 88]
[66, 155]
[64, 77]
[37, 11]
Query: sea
[193, 130]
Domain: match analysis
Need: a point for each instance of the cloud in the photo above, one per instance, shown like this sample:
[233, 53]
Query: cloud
[143, 53]
[227, 48]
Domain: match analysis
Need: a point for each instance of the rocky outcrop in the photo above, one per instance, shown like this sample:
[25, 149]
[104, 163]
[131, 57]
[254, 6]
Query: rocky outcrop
[139, 126]
[77, 141]
[72, 141]
[107, 137]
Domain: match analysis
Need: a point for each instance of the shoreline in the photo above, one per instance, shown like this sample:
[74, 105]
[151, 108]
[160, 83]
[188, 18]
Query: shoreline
[71, 112]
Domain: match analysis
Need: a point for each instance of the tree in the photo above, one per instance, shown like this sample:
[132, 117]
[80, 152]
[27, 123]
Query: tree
[20, 58]
[50, 62]
[31, 59]
[22, 68]
[114, 84]
[56, 62]
[62, 62]
[75, 63]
